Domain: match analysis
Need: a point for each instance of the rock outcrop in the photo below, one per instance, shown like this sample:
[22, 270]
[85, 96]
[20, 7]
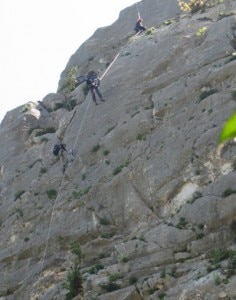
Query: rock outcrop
[150, 198]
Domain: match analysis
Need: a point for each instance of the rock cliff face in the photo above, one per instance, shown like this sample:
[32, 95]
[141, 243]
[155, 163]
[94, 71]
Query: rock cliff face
[150, 199]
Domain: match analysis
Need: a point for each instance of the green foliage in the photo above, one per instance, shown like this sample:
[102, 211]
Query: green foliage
[228, 192]
[44, 140]
[192, 5]
[110, 286]
[161, 296]
[107, 235]
[96, 148]
[117, 170]
[182, 223]
[206, 94]
[109, 129]
[104, 221]
[106, 152]
[95, 269]
[133, 280]
[69, 83]
[45, 131]
[18, 194]
[43, 170]
[150, 30]
[195, 196]
[19, 212]
[217, 280]
[25, 108]
[113, 277]
[141, 137]
[233, 93]
[79, 194]
[69, 104]
[51, 194]
[124, 259]
[200, 235]
[120, 167]
[76, 249]
[229, 129]
[74, 282]
[85, 90]
[217, 255]
[201, 31]
[163, 273]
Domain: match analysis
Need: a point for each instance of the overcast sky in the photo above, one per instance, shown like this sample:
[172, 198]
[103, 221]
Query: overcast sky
[37, 39]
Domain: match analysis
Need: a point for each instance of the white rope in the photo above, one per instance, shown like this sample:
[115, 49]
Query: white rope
[139, 16]
[60, 186]
[117, 55]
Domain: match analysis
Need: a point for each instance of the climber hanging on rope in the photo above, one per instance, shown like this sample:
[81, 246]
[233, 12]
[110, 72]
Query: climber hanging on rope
[93, 83]
[65, 157]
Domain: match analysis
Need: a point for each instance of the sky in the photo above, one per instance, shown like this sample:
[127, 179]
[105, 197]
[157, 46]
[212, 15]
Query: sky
[37, 38]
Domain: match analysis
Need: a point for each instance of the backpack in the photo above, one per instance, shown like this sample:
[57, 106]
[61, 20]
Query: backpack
[93, 80]
[57, 148]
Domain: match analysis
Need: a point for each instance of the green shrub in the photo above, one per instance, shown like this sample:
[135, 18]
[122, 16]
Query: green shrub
[51, 194]
[96, 148]
[18, 194]
[109, 129]
[44, 139]
[228, 192]
[45, 131]
[233, 93]
[163, 273]
[200, 235]
[192, 5]
[141, 136]
[74, 282]
[110, 286]
[201, 31]
[150, 30]
[104, 221]
[124, 259]
[43, 170]
[106, 152]
[217, 280]
[133, 280]
[19, 212]
[217, 255]
[206, 94]
[117, 170]
[95, 269]
[85, 90]
[69, 84]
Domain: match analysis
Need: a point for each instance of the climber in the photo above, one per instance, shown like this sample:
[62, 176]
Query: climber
[93, 82]
[59, 151]
[139, 26]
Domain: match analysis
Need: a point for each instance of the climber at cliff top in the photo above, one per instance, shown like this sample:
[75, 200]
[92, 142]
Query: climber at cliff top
[139, 26]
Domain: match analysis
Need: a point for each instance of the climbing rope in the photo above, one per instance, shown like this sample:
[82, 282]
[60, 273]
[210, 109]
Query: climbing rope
[139, 16]
[63, 178]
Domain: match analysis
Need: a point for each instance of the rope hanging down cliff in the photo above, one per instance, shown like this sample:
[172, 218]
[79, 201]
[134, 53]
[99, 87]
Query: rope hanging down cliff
[64, 176]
